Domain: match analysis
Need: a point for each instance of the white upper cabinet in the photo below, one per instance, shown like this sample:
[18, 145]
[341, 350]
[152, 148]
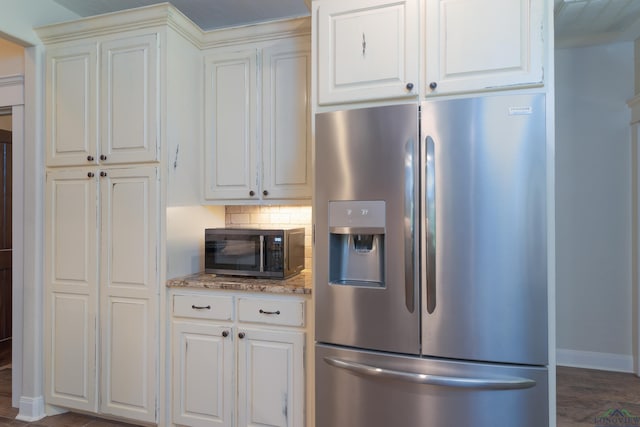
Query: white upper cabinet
[125, 95]
[286, 131]
[129, 100]
[257, 144]
[367, 50]
[476, 45]
[71, 105]
[230, 115]
[381, 50]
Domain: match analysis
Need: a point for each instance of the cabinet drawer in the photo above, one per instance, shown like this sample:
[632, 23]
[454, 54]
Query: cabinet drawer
[271, 311]
[203, 307]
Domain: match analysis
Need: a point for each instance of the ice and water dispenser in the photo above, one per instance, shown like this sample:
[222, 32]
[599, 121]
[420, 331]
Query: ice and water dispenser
[356, 243]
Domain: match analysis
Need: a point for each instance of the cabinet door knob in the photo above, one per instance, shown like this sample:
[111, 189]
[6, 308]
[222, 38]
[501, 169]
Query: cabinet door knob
[90, 158]
[103, 174]
[241, 335]
[433, 85]
[225, 334]
[252, 193]
[103, 157]
[409, 86]
[90, 175]
[265, 193]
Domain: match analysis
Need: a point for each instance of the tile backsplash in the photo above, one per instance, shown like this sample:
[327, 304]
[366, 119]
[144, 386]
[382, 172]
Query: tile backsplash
[273, 216]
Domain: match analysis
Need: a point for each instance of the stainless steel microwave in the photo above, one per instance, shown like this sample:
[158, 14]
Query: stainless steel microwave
[272, 253]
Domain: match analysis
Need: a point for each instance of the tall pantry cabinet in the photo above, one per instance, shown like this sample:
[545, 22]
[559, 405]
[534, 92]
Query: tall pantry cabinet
[119, 140]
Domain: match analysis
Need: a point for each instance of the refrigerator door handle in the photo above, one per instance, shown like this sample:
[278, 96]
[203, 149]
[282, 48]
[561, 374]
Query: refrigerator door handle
[502, 383]
[409, 225]
[430, 224]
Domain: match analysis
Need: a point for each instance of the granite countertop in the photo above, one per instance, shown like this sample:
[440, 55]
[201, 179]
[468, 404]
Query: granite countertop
[298, 284]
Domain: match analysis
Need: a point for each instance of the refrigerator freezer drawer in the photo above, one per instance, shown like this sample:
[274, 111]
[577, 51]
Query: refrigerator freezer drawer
[373, 389]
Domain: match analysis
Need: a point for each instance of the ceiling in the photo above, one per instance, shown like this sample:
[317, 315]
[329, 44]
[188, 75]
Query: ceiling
[577, 22]
[589, 22]
[207, 14]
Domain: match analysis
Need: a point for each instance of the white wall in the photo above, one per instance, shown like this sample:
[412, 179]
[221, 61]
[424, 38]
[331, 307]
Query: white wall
[11, 58]
[593, 206]
[19, 17]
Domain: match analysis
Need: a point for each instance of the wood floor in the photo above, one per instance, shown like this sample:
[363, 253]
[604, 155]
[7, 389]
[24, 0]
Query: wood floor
[584, 397]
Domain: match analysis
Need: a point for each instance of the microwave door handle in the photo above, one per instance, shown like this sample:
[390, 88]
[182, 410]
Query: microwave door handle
[409, 225]
[430, 224]
[262, 253]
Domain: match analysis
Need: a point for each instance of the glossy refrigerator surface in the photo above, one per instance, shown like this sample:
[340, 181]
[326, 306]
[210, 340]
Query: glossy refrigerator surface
[431, 264]
[405, 391]
[484, 229]
[367, 160]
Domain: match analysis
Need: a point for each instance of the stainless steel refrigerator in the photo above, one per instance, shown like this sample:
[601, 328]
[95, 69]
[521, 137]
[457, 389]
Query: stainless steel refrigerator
[431, 272]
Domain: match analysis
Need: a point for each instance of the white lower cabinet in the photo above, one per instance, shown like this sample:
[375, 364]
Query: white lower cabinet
[234, 373]
[270, 378]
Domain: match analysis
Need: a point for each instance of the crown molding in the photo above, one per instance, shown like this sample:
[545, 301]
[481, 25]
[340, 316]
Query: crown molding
[273, 30]
[154, 16]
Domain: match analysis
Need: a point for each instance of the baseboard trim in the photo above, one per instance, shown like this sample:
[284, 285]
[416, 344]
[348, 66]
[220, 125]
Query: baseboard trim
[594, 360]
[31, 409]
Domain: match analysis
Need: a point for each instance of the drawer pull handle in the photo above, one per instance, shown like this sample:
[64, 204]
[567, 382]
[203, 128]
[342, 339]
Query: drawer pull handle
[269, 312]
[201, 307]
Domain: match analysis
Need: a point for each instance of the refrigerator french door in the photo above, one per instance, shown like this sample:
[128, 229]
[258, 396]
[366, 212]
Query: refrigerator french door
[431, 275]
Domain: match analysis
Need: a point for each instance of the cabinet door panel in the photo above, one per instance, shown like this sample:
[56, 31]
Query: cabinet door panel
[367, 50]
[71, 105]
[129, 100]
[230, 111]
[129, 292]
[471, 46]
[286, 136]
[71, 336]
[270, 378]
[129, 204]
[71, 279]
[202, 375]
[128, 375]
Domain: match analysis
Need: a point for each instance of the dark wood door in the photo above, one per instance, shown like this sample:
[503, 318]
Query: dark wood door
[5, 234]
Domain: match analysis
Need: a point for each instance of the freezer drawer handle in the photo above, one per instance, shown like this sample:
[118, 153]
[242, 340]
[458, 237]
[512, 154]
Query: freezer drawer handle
[506, 383]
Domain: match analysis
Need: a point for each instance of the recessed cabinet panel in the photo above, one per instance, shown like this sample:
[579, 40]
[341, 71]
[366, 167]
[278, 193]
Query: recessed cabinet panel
[367, 50]
[362, 41]
[71, 350]
[286, 113]
[129, 230]
[128, 376]
[473, 46]
[202, 375]
[71, 97]
[129, 97]
[230, 108]
[71, 217]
